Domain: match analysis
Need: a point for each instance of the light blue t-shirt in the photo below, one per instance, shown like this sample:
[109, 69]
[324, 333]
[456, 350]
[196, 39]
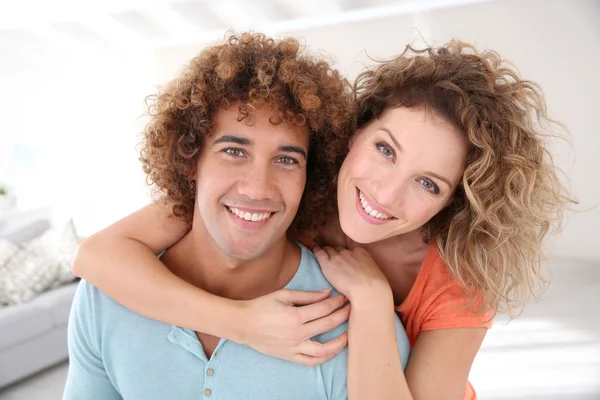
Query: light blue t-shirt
[115, 353]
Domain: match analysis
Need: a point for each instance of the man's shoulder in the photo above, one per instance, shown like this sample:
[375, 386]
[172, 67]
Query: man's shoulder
[86, 293]
[90, 293]
[89, 299]
[309, 275]
[99, 315]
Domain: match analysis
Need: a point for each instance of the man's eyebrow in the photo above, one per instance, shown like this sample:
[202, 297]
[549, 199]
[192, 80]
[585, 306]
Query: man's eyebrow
[242, 141]
[392, 138]
[293, 149]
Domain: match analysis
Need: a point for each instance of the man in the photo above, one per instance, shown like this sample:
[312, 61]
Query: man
[240, 145]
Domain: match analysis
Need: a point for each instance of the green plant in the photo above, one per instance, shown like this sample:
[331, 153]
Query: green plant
[3, 191]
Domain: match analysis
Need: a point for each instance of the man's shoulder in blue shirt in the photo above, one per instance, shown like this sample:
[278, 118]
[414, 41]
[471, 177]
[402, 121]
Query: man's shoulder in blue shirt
[116, 353]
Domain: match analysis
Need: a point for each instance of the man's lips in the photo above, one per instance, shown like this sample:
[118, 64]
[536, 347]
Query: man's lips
[250, 215]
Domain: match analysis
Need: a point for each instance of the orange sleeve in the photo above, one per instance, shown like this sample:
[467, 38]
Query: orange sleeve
[438, 301]
[450, 308]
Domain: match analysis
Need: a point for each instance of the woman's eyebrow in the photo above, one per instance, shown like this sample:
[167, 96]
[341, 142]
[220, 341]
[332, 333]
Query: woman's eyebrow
[392, 138]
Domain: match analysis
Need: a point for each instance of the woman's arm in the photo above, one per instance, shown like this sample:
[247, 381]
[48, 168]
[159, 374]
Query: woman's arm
[121, 261]
[440, 361]
[373, 355]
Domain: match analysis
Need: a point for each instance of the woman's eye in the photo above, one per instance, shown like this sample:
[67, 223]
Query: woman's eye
[287, 160]
[385, 150]
[234, 152]
[430, 186]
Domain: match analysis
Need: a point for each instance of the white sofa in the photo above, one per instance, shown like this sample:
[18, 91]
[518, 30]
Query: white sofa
[33, 336]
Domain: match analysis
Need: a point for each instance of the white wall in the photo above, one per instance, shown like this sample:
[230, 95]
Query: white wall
[556, 43]
[69, 131]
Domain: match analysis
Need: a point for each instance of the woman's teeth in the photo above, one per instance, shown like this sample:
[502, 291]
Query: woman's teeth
[254, 217]
[369, 210]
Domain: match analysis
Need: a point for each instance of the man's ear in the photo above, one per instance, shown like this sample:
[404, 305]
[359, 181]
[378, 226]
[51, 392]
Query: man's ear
[191, 172]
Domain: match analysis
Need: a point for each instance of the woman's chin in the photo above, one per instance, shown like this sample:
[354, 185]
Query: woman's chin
[358, 235]
[361, 239]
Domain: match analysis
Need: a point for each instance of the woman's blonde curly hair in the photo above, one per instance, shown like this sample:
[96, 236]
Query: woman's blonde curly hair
[255, 71]
[510, 195]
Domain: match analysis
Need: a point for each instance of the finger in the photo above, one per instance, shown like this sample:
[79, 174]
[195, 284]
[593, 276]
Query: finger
[310, 361]
[321, 255]
[315, 352]
[330, 251]
[325, 324]
[340, 249]
[322, 308]
[302, 297]
[313, 348]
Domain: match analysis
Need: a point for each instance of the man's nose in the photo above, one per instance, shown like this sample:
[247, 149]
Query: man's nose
[257, 182]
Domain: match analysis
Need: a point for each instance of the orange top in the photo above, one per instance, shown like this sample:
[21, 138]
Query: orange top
[437, 301]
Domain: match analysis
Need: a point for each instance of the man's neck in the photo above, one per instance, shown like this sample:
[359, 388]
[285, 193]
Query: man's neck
[199, 261]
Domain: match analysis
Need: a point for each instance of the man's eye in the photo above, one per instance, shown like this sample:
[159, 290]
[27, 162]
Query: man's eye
[234, 152]
[287, 160]
[385, 150]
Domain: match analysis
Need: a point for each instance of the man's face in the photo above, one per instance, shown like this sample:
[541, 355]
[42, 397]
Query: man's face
[250, 180]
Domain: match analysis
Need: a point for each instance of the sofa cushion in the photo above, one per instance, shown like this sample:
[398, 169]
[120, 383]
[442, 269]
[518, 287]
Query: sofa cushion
[59, 246]
[38, 265]
[25, 275]
[7, 250]
[23, 231]
[21, 323]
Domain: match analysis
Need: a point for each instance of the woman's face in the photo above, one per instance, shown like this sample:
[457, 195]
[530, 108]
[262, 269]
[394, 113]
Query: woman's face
[401, 170]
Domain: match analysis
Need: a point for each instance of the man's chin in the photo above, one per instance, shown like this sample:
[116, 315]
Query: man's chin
[244, 251]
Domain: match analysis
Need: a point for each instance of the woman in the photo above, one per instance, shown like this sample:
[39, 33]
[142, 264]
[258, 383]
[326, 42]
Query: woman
[444, 198]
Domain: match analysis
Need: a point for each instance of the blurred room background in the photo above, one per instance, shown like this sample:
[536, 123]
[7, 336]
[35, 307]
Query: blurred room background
[74, 76]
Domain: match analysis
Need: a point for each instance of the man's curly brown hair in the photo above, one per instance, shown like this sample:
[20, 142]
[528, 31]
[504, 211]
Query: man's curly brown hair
[257, 71]
[510, 195]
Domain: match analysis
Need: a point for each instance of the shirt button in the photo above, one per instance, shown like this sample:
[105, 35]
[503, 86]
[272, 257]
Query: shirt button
[207, 392]
[210, 372]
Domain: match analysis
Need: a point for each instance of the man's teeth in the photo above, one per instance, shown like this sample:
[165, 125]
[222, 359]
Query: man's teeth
[254, 217]
[369, 210]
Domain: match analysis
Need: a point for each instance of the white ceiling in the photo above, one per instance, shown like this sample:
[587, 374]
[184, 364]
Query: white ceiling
[40, 32]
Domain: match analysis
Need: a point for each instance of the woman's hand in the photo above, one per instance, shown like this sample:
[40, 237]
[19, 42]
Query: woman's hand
[281, 324]
[352, 272]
